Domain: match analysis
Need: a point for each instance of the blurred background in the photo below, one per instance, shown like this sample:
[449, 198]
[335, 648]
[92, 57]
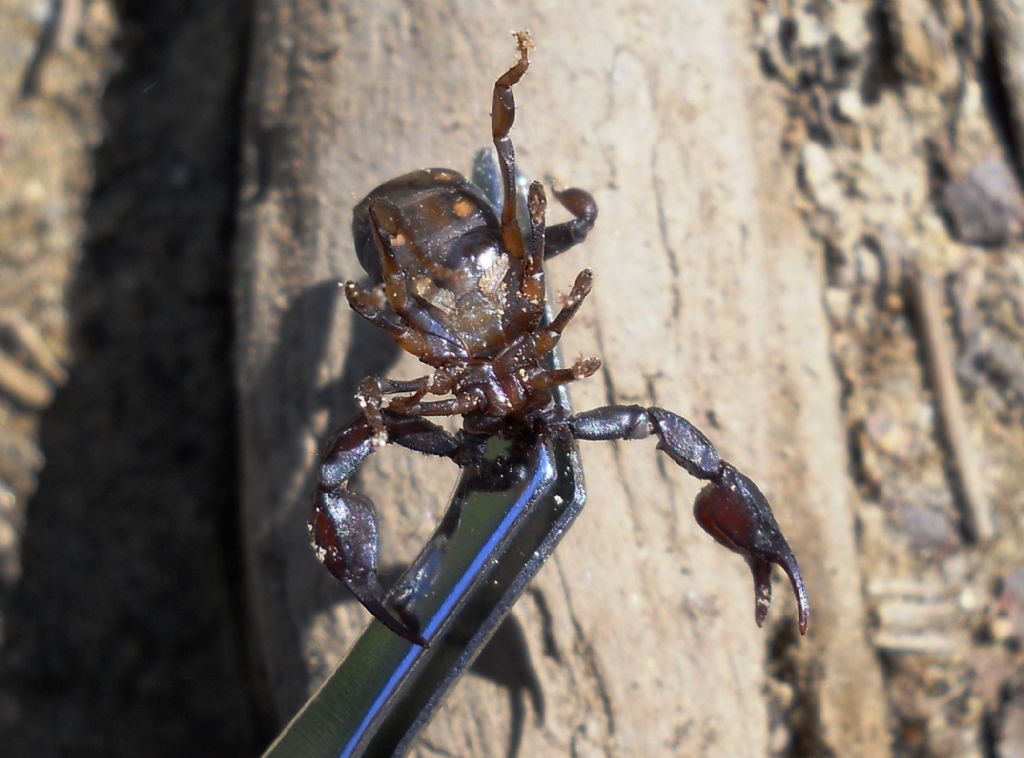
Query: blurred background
[122, 632]
[883, 231]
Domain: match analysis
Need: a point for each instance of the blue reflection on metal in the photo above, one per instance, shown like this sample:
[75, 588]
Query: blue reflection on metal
[542, 476]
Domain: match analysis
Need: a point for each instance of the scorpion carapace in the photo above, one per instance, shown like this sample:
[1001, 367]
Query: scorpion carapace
[461, 286]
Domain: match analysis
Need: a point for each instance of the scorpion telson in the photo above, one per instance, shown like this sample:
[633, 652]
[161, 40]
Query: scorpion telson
[461, 286]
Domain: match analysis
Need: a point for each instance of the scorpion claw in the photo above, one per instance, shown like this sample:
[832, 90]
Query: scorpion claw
[345, 536]
[734, 512]
[762, 570]
[371, 601]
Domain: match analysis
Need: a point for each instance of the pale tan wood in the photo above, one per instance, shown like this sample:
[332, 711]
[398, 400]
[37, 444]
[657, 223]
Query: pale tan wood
[708, 301]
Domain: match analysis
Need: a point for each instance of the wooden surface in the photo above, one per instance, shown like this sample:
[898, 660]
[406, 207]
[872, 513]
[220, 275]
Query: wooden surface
[638, 636]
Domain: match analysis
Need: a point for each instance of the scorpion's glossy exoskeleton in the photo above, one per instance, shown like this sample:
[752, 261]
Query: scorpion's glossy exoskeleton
[460, 286]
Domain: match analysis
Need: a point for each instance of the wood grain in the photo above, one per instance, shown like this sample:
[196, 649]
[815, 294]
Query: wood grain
[638, 636]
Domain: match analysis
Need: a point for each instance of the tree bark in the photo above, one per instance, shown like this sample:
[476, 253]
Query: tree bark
[638, 636]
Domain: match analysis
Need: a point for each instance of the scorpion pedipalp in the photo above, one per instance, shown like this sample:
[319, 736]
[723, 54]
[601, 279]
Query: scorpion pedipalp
[731, 508]
[737, 515]
[343, 525]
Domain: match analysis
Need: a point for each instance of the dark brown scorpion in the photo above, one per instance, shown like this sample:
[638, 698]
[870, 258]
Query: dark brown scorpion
[461, 287]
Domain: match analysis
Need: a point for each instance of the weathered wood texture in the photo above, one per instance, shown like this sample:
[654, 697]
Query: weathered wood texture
[639, 633]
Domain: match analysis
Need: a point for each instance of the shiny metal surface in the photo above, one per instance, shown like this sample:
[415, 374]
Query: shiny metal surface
[461, 587]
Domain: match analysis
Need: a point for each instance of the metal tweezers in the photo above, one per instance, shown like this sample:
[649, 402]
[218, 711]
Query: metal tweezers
[461, 587]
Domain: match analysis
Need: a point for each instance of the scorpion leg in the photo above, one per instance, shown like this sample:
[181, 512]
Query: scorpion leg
[372, 306]
[503, 114]
[386, 227]
[581, 369]
[524, 306]
[373, 389]
[731, 508]
[452, 406]
[343, 525]
[548, 337]
[533, 281]
[559, 238]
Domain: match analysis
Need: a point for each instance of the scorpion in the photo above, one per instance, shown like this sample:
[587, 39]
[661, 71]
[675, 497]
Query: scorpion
[460, 286]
